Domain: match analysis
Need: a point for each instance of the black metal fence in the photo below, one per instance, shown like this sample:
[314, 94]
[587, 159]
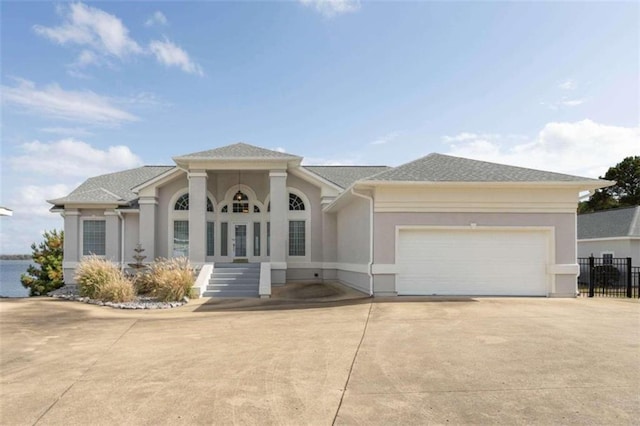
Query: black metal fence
[608, 277]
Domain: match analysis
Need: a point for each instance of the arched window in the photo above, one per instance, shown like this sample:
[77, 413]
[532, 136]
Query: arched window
[241, 203]
[182, 203]
[295, 203]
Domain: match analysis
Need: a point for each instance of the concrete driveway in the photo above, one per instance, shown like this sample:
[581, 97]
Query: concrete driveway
[394, 361]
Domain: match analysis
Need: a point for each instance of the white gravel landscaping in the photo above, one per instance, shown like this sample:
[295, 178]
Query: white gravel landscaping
[70, 292]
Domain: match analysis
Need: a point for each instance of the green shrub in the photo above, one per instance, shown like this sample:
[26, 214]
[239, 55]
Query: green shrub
[170, 279]
[103, 280]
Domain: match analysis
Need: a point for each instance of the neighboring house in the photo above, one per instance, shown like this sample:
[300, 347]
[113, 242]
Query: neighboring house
[438, 225]
[610, 233]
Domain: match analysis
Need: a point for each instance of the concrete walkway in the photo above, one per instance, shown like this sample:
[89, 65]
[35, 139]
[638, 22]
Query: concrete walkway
[402, 361]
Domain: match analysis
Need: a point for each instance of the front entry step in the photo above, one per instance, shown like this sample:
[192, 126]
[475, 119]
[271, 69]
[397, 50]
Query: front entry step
[234, 280]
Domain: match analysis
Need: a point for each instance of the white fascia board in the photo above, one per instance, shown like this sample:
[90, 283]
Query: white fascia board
[578, 185]
[157, 180]
[240, 163]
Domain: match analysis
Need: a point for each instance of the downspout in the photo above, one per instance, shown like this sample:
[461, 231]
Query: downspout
[121, 239]
[370, 264]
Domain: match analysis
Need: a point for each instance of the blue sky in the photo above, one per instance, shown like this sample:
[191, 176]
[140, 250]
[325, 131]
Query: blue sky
[90, 88]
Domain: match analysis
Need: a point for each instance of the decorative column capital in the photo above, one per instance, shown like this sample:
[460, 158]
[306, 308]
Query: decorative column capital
[198, 173]
[278, 173]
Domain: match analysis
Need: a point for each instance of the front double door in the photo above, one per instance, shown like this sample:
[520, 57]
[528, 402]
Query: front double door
[239, 240]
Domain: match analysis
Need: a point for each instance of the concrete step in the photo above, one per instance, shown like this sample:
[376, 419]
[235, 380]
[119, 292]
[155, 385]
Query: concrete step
[231, 293]
[237, 266]
[236, 274]
[213, 286]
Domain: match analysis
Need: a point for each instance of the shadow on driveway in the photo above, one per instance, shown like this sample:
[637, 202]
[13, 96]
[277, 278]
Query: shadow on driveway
[312, 296]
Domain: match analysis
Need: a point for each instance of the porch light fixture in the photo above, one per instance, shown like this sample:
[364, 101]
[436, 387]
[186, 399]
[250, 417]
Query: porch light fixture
[238, 195]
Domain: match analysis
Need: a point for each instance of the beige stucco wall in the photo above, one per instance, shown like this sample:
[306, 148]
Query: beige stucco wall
[352, 257]
[131, 236]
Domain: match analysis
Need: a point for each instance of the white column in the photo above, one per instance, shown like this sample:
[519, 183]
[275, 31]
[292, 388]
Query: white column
[72, 249]
[112, 237]
[197, 216]
[147, 226]
[278, 219]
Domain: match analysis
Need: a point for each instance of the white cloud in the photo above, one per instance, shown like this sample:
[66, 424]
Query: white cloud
[280, 149]
[44, 171]
[568, 84]
[88, 26]
[67, 131]
[103, 36]
[572, 102]
[331, 8]
[582, 148]
[389, 137]
[72, 158]
[31, 199]
[157, 18]
[170, 54]
[53, 101]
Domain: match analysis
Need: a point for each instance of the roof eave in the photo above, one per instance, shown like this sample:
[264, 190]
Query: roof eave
[581, 185]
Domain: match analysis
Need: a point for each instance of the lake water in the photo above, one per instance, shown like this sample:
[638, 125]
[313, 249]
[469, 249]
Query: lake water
[10, 271]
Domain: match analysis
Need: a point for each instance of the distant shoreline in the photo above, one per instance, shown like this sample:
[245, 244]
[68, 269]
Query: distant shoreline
[15, 257]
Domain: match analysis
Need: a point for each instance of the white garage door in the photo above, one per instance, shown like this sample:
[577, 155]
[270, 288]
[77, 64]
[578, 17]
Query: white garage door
[472, 262]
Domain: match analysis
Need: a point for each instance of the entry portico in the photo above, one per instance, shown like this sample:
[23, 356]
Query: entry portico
[228, 184]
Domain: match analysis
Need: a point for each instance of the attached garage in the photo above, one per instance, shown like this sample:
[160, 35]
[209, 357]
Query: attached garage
[494, 261]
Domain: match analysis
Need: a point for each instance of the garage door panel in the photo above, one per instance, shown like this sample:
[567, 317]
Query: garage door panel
[472, 262]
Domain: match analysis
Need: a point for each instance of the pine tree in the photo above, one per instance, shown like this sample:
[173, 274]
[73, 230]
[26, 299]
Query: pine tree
[47, 275]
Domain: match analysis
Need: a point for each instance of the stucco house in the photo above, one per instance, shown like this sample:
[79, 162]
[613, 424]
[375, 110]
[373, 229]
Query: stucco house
[613, 233]
[439, 225]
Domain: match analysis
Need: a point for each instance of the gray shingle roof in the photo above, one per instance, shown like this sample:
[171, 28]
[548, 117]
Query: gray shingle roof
[113, 187]
[345, 176]
[445, 168]
[623, 222]
[237, 151]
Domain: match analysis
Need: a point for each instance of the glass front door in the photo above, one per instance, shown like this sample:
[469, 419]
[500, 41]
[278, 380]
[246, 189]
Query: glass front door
[240, 240]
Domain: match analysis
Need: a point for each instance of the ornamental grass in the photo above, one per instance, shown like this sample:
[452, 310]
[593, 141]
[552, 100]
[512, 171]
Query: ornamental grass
[167, 279]
[103, 280]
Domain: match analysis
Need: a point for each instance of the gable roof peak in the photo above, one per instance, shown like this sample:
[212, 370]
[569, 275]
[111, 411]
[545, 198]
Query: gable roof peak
[238, 151]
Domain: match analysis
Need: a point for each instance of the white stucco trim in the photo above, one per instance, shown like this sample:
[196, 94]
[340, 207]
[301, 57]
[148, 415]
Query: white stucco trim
[587, 240]
[382, 268]
[278, 265]
[564, 269]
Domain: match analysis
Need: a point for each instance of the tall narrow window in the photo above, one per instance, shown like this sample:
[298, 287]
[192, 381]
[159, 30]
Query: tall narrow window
[256, 238]
[211, 226]
[269, 238]
[93, 237]
[297, 238]
[224, 235]
[180, 238]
